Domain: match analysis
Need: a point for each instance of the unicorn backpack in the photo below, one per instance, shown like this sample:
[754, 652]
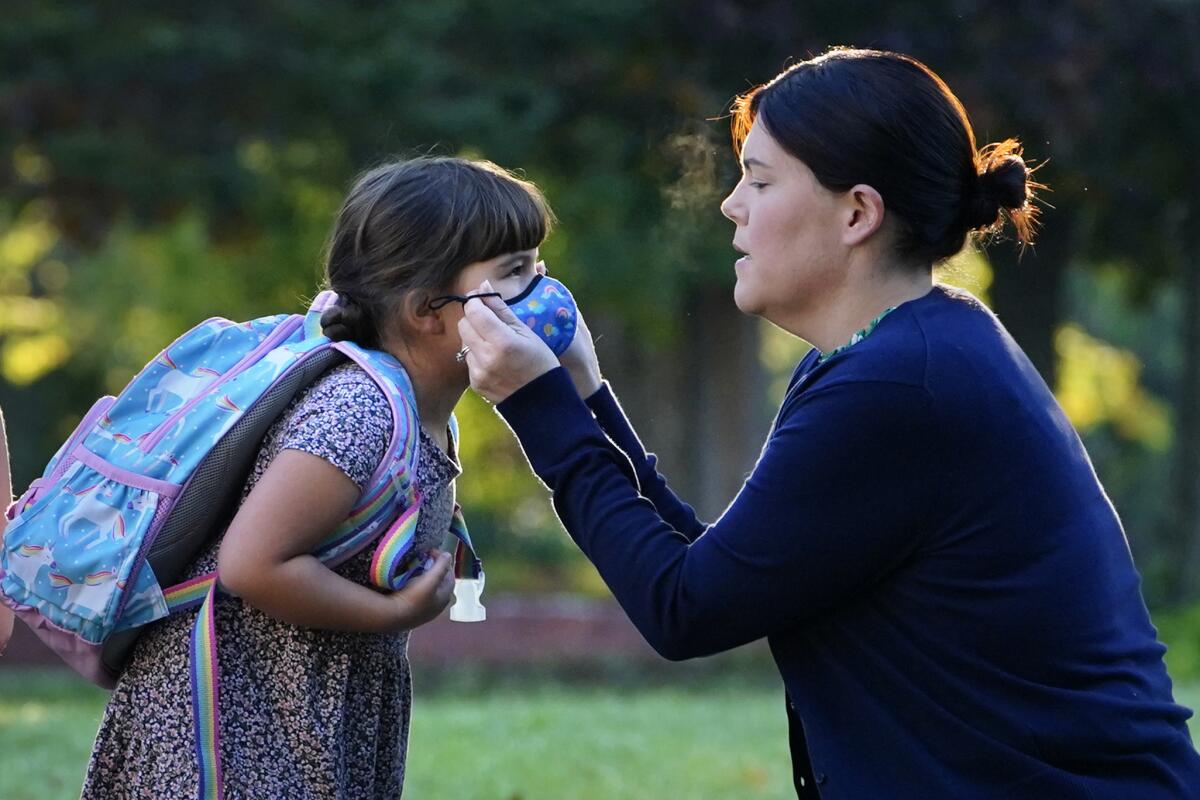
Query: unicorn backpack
[95, 548]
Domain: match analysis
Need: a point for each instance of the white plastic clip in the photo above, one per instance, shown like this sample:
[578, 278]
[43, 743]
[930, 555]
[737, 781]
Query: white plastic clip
[467, 607]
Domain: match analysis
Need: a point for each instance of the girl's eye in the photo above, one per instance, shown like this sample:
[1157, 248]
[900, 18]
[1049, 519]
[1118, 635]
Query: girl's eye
[757, 184]
[516, 270]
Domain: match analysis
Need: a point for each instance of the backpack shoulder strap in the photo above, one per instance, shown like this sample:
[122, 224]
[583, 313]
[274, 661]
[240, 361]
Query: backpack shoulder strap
[389, 506]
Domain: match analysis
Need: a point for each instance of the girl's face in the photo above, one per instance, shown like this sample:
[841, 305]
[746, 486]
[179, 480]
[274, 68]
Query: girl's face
[509, 274]
[788, 229]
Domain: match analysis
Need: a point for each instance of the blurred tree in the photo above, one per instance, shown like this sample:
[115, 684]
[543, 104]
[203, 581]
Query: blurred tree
[160, 162]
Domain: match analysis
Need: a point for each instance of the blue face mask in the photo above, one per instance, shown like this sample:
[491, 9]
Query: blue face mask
[545, 305]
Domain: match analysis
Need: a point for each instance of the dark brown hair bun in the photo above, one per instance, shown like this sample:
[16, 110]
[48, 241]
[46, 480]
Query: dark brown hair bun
[343, 321]
[1004, 184]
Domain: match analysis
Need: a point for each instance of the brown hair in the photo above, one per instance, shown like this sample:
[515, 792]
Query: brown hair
[886, 120]
[415, 224]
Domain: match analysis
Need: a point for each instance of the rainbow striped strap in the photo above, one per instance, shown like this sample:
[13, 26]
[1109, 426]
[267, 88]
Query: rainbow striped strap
[466, 561]
[189, 594]
[367, 518]
[204, 694]
[394, 564]
[395, 549]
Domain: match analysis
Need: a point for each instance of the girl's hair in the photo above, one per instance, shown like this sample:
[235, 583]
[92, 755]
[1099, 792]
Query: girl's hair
[886, 120]
[415, 224]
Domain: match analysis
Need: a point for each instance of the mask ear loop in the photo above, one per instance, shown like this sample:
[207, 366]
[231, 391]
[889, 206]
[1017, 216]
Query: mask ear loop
[446, 299]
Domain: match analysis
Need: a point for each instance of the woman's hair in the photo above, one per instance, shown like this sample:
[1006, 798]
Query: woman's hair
[415, 224]
[886, 120]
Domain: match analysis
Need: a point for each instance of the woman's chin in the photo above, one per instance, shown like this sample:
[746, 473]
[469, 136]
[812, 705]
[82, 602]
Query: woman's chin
[745, 299]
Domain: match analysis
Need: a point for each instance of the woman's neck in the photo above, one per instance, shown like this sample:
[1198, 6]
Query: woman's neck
[853, 308]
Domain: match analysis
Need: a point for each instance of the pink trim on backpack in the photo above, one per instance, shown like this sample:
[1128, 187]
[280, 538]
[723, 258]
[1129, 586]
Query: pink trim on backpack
[83, 657]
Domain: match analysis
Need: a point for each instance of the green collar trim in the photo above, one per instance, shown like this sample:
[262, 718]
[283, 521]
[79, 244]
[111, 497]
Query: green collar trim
[856, 338]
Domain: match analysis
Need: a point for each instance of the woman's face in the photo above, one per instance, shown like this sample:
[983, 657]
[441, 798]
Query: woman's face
[787, 226]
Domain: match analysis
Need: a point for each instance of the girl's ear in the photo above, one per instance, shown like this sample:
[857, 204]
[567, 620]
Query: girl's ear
[864, 214]
[418, 317]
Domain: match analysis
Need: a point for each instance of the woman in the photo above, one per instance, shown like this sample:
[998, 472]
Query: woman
[315, 693]
[945, 587]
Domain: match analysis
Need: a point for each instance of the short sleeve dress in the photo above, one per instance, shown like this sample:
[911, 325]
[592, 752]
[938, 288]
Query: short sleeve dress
[304, 713]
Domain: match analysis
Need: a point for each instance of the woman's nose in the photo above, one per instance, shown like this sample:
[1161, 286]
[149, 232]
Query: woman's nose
[731, 208]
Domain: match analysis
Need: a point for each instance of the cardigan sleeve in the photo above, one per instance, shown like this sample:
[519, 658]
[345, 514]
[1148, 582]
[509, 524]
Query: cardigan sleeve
[839, 498]
[652, 485]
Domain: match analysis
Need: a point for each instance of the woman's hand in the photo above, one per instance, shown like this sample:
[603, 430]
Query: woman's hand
[581, 362]
[502, 353]
[425, 596]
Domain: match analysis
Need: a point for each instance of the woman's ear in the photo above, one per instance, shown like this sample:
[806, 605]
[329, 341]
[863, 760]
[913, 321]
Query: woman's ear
[865, 214]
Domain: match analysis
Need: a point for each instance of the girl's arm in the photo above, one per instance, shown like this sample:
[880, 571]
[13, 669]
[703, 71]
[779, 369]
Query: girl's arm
[6, 615]
[265, 557]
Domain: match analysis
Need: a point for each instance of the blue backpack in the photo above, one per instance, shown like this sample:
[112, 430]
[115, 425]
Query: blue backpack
[95, 548]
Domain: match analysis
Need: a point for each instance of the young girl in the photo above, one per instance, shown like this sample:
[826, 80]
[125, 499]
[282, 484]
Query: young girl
[315, 693]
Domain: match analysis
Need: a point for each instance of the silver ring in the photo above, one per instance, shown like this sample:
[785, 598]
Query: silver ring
[461, 355]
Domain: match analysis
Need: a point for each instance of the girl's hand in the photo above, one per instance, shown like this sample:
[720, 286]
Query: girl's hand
[503, 354]
[581, 362]
[425, 596]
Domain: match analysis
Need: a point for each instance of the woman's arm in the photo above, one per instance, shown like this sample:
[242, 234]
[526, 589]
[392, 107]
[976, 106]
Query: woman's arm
[837, 500]
[265, 557]
[651, 484]
[840, 496]
[584, 368]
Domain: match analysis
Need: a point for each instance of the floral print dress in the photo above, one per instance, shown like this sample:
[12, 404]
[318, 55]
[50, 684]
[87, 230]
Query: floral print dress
[304, 713]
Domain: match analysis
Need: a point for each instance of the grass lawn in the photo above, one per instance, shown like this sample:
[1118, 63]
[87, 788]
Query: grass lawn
[508, 744]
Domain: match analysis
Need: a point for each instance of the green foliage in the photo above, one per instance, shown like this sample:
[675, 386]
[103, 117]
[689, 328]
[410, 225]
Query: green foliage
[162, 163]
[1180, 629]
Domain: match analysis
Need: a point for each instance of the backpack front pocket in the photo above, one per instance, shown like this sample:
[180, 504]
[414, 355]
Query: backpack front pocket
[72, 557]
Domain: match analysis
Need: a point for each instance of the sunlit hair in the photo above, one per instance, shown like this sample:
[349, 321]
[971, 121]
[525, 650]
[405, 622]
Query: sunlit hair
[414, 225]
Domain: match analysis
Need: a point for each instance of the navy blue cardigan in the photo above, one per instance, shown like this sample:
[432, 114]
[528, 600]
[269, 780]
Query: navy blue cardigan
[945, 586]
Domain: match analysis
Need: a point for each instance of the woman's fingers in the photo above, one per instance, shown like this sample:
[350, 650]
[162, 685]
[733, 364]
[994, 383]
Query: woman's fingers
[502, 354]
[500, 308]
[486, 319]
[581, 362]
